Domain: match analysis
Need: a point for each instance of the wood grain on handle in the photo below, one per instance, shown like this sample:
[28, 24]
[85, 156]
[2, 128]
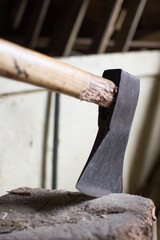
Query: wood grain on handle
[31, 67]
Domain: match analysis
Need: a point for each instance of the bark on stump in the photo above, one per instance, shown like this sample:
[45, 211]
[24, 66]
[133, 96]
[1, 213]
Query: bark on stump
[38, 214]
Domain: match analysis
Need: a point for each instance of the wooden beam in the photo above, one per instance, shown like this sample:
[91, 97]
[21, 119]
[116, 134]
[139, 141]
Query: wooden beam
[123, 38]
[69, 23]
[107, 28]
[36, 21]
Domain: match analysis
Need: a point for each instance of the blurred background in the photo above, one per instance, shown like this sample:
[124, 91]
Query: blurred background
[45, 138]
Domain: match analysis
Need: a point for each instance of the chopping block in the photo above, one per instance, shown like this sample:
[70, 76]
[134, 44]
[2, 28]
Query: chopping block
[38, 214]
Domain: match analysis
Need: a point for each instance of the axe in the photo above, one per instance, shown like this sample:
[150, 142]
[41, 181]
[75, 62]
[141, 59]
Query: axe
[116, 93]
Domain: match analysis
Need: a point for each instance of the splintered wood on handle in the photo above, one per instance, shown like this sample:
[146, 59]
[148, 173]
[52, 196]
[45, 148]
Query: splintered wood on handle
[38, 69]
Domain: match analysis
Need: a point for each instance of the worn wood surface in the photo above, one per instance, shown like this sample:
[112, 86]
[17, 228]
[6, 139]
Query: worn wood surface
[43, 214]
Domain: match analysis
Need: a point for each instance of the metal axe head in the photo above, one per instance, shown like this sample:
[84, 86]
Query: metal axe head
[103, 172]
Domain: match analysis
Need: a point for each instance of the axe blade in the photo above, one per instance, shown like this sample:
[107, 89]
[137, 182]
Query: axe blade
[103, 172]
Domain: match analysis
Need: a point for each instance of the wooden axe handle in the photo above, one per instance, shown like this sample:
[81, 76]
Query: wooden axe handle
[31, 67]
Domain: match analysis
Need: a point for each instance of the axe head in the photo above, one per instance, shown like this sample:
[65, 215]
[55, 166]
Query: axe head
[103, 172]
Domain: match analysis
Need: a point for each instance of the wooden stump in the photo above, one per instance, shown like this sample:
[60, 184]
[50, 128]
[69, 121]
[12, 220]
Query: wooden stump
[38, 214]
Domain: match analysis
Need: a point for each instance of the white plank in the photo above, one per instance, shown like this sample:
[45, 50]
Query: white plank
[78, 126]
[143, 145]
[22, 120]
[11, 86]
[137, 63]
